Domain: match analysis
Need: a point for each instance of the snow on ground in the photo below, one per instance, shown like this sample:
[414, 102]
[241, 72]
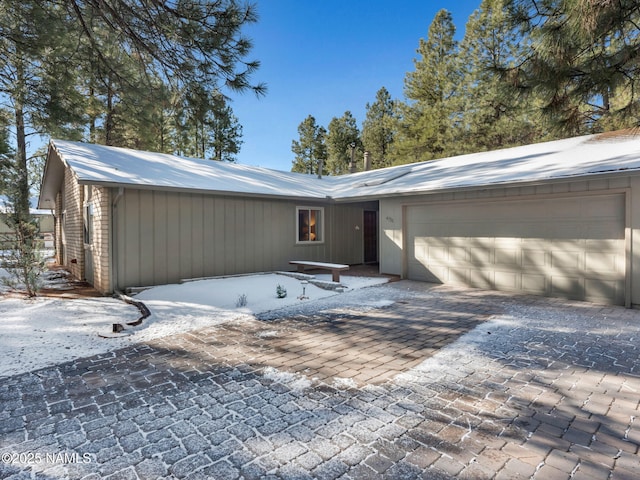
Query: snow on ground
[40, 332]
[3, 274]
[259, 290]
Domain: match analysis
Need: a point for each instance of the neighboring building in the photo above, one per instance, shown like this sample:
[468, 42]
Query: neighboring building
[46, 222]
[558, 218]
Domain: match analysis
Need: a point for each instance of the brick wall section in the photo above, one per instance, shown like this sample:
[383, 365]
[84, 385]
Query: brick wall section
[74, 246]
[58, 229]
[101, 199]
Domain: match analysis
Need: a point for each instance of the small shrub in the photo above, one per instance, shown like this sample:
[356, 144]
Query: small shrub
[242, 301]
[281, 292]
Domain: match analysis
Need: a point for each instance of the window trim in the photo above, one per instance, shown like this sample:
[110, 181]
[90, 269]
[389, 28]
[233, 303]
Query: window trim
[322, 222]
[87, 224]
[87, 216]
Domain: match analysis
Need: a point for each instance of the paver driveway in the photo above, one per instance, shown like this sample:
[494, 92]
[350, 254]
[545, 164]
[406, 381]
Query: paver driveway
[443, 383]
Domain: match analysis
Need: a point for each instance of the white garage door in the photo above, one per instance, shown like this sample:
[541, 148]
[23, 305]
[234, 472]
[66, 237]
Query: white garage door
[571, 247]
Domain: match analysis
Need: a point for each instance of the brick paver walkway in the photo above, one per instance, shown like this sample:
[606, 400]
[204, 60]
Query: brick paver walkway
[532, 388]
[365, 347]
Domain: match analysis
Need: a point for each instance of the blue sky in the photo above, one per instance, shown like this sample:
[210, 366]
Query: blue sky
[325, 57]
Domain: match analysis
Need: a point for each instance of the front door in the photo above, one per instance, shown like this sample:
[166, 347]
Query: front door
[370, 236]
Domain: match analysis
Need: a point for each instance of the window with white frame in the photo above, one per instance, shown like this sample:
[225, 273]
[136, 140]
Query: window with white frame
[87, 216]
[310, 225]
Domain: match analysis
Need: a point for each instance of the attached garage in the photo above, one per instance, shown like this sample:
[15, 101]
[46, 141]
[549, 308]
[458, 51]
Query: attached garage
[570, 246]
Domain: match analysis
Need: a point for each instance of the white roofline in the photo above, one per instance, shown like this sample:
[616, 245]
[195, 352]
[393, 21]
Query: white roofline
[579, 157]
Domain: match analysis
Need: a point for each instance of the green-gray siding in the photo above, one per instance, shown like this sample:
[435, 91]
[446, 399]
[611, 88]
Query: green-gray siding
[162, 237]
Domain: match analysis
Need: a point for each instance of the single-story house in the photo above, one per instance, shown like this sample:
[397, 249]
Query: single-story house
[559, 218]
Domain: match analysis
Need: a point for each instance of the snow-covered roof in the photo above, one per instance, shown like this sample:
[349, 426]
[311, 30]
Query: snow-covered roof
[113, 166]
[574, 157]
[561, 159]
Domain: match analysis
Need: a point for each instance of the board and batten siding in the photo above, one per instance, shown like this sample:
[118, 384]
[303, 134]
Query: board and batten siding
[448, 214]
[163, 237]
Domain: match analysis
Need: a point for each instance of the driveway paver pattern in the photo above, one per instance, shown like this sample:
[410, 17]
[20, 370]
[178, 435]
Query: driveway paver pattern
[443, 383]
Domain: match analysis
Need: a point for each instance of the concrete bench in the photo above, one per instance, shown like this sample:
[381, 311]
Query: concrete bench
[335, 268]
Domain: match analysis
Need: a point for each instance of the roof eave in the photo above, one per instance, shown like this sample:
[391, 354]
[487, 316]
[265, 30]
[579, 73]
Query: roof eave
[491, 186]
[203, 191]
[52, 178]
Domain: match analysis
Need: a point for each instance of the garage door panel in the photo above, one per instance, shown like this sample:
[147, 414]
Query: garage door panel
[458, 255]
[437, 253]
[532, 258]
[600, 290]
[605, 245]
[568, 245]
[480, 256]
[418, 271]
[506, 242]
[604, 263]
[571, 247]
[564, 260]
[567, 287]
[481, 278]
[458, 276]
[507, 257]
[534, 284]
[507, 280]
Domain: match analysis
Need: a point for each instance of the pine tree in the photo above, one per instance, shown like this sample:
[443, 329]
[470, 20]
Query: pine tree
[379, 128]
[490, 116]
[343, 140]
[427, 121]
[310, 150]
[35, 40]
[45, 45]
[583, 62]
[225, 131]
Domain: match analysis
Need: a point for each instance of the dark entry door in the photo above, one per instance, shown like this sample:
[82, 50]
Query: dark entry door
[370, 236]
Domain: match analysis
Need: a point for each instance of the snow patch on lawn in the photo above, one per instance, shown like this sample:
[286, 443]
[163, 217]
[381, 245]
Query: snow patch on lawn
[41, 332]
[260, 291]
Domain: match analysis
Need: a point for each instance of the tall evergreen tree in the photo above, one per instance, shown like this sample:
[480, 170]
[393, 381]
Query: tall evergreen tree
[429, 117]
[379, 128]
[583, 61]
[225, 131]
[6, 157]
[185, 41]
[205, 126]
[491, 117]
[310, 149]
[343, 137]
[34, 40]
[44, 45]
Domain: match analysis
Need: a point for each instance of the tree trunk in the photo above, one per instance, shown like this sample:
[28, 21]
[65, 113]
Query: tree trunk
[109, 123]
[22, 191]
